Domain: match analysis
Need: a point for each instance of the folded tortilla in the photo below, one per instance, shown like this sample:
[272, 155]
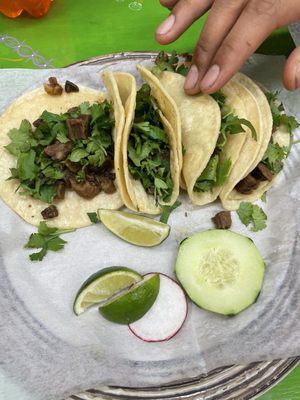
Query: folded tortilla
[252, 151]
[201, 121]
[73, 208]
[132, 191]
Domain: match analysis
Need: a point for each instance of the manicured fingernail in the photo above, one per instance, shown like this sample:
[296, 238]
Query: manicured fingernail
[192, 78]
[298, 76]
[166, 25]
[210, 77]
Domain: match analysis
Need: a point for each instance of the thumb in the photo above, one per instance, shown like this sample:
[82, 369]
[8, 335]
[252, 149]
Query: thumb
[291, 73]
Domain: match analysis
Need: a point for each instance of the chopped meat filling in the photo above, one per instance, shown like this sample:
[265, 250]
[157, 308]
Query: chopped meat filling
[53, 87]
[247, 185]
[72, 166]
[60, 188]
[58, 151]
[107, 183]
[222, 220]
[71, 87]
[50, 212]
[37, 122]
[76, 128]
[87, 190]
[262, 173]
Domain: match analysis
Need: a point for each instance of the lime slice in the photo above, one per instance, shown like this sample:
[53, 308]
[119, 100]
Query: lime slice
[132, 304]
[102, 285]
[133, 228]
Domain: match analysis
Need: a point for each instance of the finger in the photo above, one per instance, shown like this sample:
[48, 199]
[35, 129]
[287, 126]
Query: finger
[242, 41]
[183, 15]
[221, 18]
[291, 73]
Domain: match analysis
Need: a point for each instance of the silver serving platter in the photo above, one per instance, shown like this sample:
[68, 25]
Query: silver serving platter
[228, 383]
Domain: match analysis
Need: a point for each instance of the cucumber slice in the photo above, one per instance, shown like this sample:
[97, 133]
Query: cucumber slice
[221, 271]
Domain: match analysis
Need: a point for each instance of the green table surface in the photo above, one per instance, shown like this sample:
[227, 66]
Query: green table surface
[76, 30]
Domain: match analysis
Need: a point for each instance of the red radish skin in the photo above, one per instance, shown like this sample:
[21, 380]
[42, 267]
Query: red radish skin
[180, 295]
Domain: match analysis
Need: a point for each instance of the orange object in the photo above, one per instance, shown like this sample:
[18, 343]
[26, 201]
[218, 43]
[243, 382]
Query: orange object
[14, 8]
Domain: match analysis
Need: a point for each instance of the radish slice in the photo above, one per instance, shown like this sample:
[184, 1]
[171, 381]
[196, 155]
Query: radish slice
[167, 315]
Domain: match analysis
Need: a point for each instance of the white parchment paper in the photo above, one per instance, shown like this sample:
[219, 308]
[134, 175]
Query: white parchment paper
[49, 353]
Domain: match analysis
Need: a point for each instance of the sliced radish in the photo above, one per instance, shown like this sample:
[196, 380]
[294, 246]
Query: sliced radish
[167, 315]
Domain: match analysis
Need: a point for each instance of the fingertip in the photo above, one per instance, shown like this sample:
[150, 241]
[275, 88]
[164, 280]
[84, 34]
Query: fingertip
[291, 73]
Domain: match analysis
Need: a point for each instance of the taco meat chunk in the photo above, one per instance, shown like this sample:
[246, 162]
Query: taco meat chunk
[88, 189]
[262, 173]
[58, 151]
[222, 220]
[53, 87]
[50, 212]
[247, 185]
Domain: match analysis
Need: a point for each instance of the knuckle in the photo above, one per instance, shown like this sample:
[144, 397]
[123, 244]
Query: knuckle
[268, 8]
[227, 4]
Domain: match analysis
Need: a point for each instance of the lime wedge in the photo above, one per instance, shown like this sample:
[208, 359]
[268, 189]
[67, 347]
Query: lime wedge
[102, 285]
[133, 228]
[132, 304]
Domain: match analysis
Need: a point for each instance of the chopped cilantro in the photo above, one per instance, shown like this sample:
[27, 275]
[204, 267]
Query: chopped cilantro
[274, 156]
[251, 213]
[167, 211]
[164, 62]
[264, 197]
[279, 117]
[93, 216]
[149, 149]
[37, 172]
[220, 98]
[46, 239]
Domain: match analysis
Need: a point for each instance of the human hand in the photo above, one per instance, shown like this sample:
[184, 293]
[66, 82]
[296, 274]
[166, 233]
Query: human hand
[233, 30]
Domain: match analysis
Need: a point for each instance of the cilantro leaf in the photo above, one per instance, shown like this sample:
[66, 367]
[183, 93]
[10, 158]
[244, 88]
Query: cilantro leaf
[252, 213]
[26, 167]
[164, 62]
[93, 216]
[259, 219]
[46, 239]
[264, 197]
[39, 255]
[167, 211]
[208, 178]
[279, 117]
[245, 212]
[78, 154]
[223, 171]
[45, 230]
[274, 156]
[233, 124]
[220, 98]
[35, 241]
[21, 139]
[55, 243]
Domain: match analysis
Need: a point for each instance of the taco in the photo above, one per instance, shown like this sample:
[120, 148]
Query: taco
[151, 158]
[214, 130]
[256, 169]
[57, 153]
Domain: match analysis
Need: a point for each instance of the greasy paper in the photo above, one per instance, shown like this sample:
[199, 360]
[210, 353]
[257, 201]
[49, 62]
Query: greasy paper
[47, 352]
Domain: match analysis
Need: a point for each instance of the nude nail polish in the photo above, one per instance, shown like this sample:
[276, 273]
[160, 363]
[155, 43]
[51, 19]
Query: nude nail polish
[210, 77]
[192, 78]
